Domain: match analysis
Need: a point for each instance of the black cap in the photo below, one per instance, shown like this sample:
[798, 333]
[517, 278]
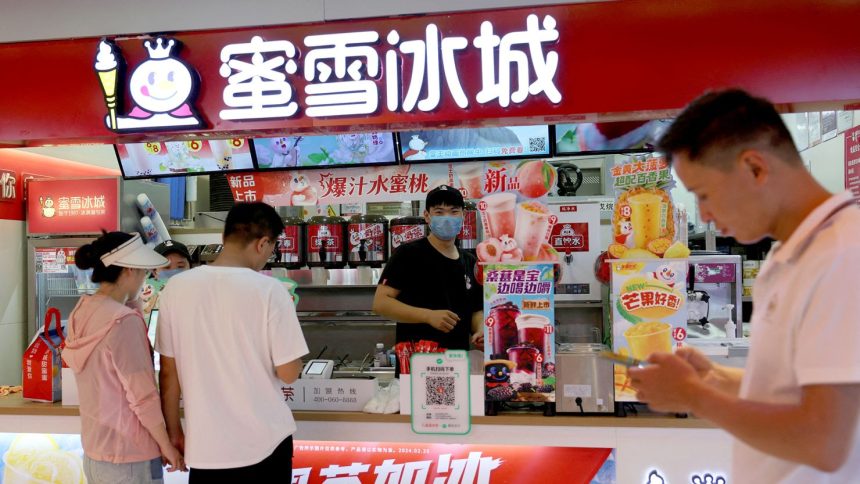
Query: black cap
[444, 195]
[173, 247]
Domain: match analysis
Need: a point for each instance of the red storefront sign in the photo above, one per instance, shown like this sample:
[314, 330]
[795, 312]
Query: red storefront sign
[407, 463]
[81, 206]
[18, 167]
[852, 161]
[526, 66]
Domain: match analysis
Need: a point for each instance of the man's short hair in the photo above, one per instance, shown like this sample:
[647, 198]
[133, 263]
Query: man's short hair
[729, 120]
[247, 222]
[444, 195]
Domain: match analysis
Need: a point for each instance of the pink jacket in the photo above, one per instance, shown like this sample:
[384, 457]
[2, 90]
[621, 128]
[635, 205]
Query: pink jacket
[108, 350]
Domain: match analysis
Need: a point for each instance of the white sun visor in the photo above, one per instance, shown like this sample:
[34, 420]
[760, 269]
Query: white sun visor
[134, 254]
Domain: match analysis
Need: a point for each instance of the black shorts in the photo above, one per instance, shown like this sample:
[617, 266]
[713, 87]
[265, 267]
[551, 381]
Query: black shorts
[280, 463]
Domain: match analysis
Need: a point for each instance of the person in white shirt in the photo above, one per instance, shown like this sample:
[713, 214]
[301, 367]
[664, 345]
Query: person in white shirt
[794, 409]
[229, 339]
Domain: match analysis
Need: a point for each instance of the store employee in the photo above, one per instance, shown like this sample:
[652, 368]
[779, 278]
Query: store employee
[429, 285]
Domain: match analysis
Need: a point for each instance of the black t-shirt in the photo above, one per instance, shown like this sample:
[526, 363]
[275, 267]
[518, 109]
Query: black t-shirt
[428, 279]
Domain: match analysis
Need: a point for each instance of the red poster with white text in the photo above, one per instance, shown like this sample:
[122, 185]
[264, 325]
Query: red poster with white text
[410, 463]
[73, 206]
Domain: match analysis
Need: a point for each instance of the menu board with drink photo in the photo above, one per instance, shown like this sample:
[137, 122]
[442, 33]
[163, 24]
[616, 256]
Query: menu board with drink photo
[519, 333]
[195, 157]
[648, 312]
[350, 149]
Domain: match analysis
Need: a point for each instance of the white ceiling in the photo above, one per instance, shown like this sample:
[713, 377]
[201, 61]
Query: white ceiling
[58, 19]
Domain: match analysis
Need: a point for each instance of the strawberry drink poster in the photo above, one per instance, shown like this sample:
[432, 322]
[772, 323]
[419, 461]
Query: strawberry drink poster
[517, 222]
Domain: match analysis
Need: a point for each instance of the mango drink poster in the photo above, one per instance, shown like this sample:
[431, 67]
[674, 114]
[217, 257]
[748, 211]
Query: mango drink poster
[648, 312]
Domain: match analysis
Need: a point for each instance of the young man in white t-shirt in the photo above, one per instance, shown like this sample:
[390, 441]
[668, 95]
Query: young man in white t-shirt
[229, 338]
[794, 409]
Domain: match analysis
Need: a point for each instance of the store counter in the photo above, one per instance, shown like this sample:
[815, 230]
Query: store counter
[676, 448]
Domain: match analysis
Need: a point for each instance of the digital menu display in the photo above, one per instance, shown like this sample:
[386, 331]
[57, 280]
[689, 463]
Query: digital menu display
[179, 158]
[475, 143]
[615, 137]
[350, 149]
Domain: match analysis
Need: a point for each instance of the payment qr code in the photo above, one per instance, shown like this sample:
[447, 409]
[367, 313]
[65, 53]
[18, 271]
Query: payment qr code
[537, 145]
[440, 390]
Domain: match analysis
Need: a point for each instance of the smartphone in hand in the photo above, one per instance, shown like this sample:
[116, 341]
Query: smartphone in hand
[621, 359]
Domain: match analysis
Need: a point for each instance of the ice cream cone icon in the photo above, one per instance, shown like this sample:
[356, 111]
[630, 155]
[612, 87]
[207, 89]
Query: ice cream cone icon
[106, 67]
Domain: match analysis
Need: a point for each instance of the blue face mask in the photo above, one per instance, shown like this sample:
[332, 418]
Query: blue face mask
[167, 274]
[446, 227]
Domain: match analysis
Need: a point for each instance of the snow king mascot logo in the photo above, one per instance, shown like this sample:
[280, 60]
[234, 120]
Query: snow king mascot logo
[163, 88]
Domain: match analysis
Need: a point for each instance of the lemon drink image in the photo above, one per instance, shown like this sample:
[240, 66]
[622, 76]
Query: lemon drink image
[38, 459]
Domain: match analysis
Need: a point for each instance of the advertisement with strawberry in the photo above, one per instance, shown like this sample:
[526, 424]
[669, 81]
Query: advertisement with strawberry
[517, 222]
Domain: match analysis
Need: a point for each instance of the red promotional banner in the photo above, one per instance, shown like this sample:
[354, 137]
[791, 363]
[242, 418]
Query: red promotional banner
[393, 183]
[408, 463]
[79, 206]
[852, 161]
[532, 65]
[339, 185]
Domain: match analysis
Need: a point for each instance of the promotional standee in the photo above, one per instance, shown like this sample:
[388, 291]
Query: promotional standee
[517, 223]
[648, 264]
[519, 334]
[648, 312]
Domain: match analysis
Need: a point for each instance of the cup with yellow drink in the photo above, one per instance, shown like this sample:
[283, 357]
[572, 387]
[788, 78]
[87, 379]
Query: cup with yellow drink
[646, 212]
[649, 337]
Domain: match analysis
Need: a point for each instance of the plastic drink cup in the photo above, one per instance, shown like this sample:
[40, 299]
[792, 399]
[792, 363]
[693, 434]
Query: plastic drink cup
[532, 227]
[142, 161]
[222, 152]
[504, 328]
[526, 365]
[531, 329]
[471, 178]
[501, 217]
[645, 216]
[649, 337]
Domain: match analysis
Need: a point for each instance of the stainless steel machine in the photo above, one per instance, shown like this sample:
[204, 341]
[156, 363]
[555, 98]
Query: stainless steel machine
[584, 381]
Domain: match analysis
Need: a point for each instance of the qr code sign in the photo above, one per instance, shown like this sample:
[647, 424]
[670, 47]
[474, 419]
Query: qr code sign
[537, 145]
[440, 390]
